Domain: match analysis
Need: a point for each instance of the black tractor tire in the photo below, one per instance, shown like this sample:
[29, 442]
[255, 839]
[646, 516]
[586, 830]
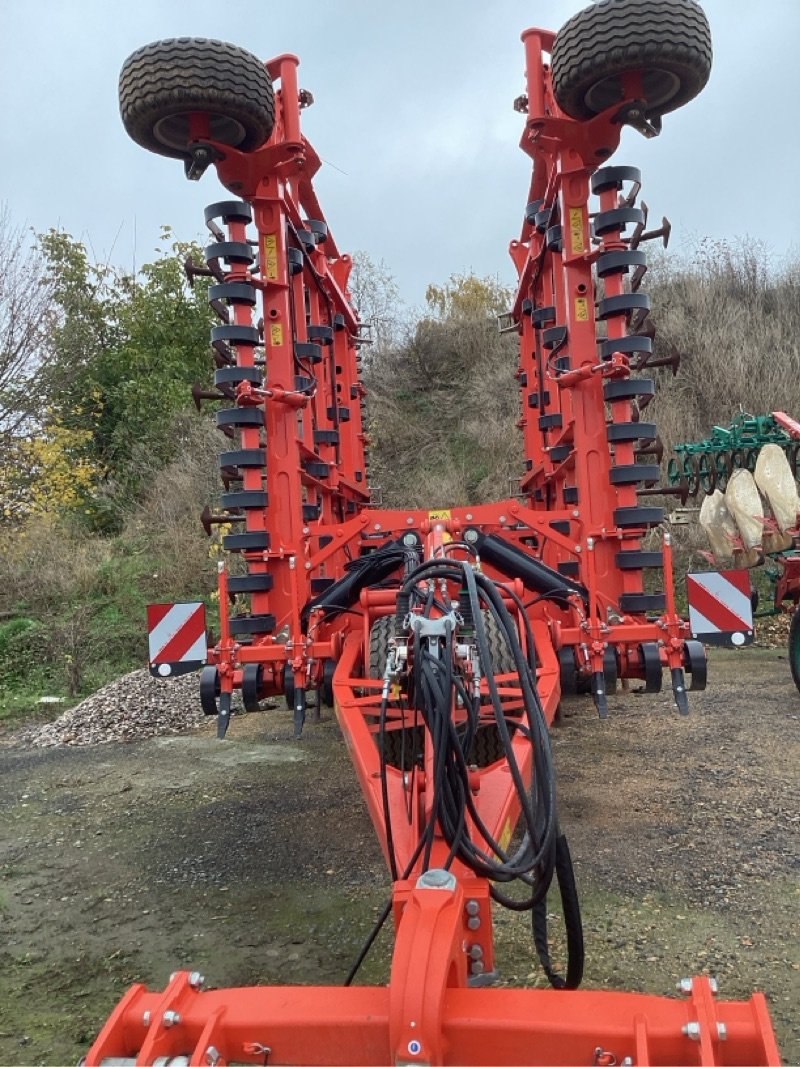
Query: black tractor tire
[669, 41]
[162, 83]
[380, 637]
[502, 659]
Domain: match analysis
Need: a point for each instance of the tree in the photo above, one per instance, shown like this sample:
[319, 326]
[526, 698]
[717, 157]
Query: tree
[123, 355]
[25, 300]
[443, 404]
[377, 298]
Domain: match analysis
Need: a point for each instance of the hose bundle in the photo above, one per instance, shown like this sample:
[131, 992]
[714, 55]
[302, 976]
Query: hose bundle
[433, 688]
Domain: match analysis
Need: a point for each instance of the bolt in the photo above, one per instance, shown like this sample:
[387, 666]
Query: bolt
[473, 923]
[212, 1055]
[685, 986]
[476, 952]
[146, 1018]
[436, 878]
[196, 980]
[692, 1031]
[308, 566]
[170, 1018]
[473, 907]
[722, 1031]
[477, 967]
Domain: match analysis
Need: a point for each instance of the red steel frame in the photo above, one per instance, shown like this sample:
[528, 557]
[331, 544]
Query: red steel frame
[429, 1014]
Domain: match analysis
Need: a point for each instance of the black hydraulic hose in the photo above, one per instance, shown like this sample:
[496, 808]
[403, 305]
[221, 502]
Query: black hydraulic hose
[565, 875]
[535, 575]
[542, 853]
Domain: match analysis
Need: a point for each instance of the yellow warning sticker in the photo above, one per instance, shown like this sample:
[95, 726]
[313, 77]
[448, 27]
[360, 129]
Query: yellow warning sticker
[505, 837]
[581, 309]
[576, 234]
[276, 333]
[271, 256]
[434, 515]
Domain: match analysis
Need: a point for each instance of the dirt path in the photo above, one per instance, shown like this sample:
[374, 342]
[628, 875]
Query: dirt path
[254, 861]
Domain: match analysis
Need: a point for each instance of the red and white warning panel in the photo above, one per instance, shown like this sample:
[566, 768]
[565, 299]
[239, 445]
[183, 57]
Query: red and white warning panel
[176, 635]
[720, 607]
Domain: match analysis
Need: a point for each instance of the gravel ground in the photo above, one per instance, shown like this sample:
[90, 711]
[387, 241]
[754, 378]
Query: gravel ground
[132, 708]
[253, 859]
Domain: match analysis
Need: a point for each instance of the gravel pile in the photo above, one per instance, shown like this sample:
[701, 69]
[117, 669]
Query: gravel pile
[131, 708]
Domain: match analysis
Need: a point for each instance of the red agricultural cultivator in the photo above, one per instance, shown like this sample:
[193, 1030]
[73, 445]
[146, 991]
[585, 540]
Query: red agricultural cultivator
[444, 639]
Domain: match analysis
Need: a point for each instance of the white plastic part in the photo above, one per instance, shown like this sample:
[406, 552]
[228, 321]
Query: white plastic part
[719, 526]
[744, 503]
[774, 478]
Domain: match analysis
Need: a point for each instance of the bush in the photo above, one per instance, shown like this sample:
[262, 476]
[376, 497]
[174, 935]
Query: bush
[21, 651]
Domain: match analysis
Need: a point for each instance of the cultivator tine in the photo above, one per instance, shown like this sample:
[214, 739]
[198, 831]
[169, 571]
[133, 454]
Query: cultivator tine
[638, 229]
[217, 231]
[647, 362]
[192, 271]
[222, 355]
[680, 490]
[656, 448]
[679, 690]
[299, 712]
[199, 394]
[664, 230]
[637, 276]
[208, 519]
[630, 199]
[224, 715]
[599, 694]
[641, 234]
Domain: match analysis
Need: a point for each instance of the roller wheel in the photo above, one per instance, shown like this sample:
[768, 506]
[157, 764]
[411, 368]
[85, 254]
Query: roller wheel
[162, 84]
[209, 690]
[326, 691]
[288, 686]
[651, 666]
[696, 664]
[568, 671]
[610, 669]
[252, 686]
[794, 647]
[668, 41]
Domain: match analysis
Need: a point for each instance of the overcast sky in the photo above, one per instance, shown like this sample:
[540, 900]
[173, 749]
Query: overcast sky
[413, 114]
